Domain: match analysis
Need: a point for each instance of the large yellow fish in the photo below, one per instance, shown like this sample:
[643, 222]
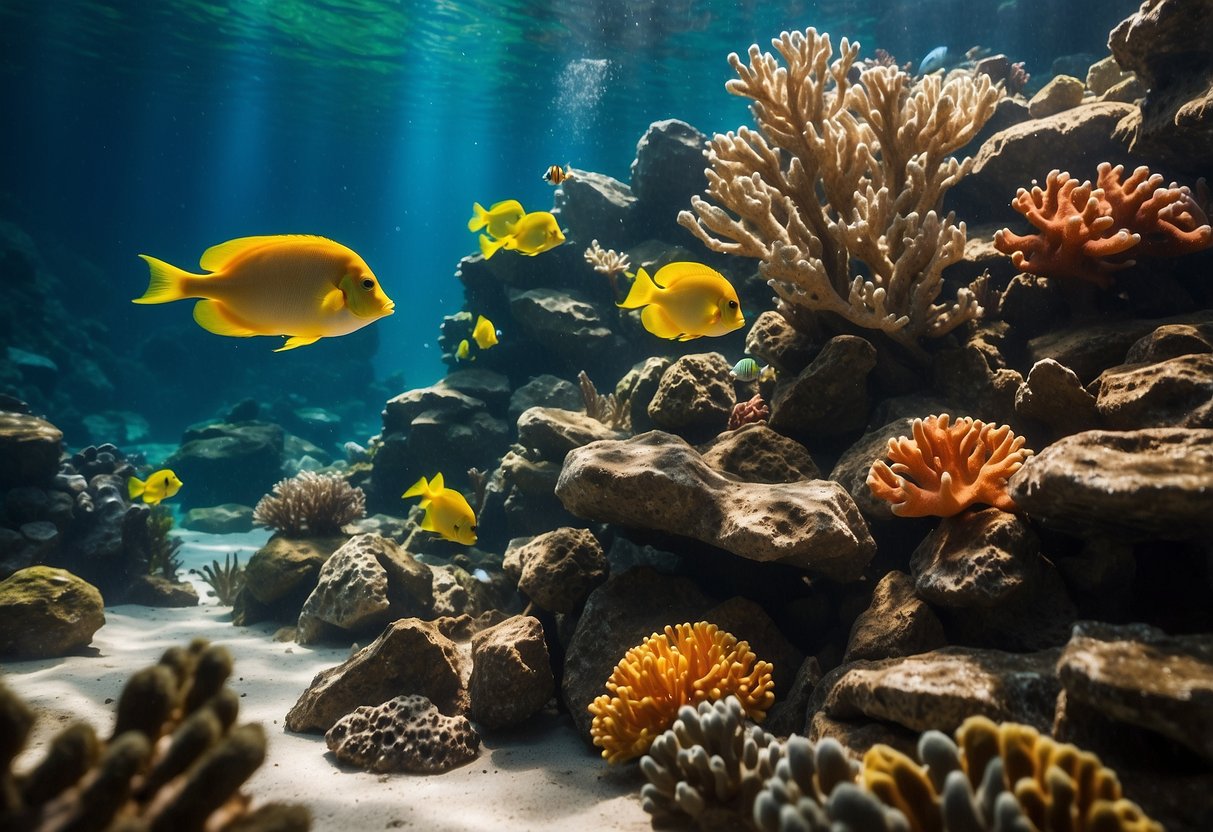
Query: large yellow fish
[303, 287]
[158, 486]
[684, 301]
[534, 234]
[484, 333]
[499, 220]
[447, 513]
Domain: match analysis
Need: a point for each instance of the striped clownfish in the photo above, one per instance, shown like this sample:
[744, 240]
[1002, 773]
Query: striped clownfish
[555, 174]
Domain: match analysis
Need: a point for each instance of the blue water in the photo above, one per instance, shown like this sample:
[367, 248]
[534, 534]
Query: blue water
[166, 128]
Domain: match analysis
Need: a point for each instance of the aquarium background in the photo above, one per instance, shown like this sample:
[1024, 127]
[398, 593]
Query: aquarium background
[166, 128]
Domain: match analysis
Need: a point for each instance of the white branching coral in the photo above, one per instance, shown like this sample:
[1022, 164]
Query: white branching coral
[840, 170]
[310, 503]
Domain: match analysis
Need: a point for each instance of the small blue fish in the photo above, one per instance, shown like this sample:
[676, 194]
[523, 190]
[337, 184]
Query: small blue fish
[747, 369]
[934, 60]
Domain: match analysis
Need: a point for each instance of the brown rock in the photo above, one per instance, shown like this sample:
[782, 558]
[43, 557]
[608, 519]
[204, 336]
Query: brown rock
[694, 397]
[773, 340]
[897, 623]
[1177, 392]
[1053, 396]
[942, 688]
[406, 733]
[558, 569]
[830, 396]
[47, 613]
[1139, 675]
[1062, 93]
[410, 655]
[285, 566]
[851, 471]
[1172, 341]
[511, 672]
[548, 433]
[1145, 483]
[1105, 74]
[656, 481]
[637, 388]
[755, 453]
[157, 591]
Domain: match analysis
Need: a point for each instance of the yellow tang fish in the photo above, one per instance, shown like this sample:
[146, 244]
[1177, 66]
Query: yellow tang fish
[159, 486]
[684, 301]
[534, 234]
[500, 219]
[300, 286]
[484, 333]
[463, 351]
[447, 513]
[555, 174]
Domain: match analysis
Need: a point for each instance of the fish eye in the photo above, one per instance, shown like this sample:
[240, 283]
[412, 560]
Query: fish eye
[368, 284]
[732, 304]
[474, 527]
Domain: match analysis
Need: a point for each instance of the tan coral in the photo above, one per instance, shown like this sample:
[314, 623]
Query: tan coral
[1089, 232]
[688, 664]
[947, 467]
[841, 170]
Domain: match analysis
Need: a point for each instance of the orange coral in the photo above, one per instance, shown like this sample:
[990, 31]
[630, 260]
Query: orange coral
[689, 664]
[1088, 232]
[952, 466]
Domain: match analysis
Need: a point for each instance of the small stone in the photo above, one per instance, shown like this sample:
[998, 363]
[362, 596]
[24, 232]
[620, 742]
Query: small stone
[897, 623]
[511, 672]
[694, 397]
[560, 568]
[773, 340]
[1172, 341]
[1053, 395]
[229, 518]
[1062, 93]
[1105, 74]
[403, 734]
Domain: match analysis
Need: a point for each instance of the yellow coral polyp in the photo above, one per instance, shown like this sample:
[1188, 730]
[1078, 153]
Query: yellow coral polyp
[685, 665]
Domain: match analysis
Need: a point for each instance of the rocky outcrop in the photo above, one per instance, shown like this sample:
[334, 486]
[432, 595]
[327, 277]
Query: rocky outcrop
[47, 613]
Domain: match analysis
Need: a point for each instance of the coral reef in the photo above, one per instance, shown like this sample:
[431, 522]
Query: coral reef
[754, 411]
[708, 767]
[879, 151]
[608, 262]
[176, 759]
[947, 467]
[688, 664]
[1088, 232]
[312, 504]
[403, 734]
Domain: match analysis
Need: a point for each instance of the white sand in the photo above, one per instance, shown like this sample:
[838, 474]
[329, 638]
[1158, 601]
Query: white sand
[539, 777]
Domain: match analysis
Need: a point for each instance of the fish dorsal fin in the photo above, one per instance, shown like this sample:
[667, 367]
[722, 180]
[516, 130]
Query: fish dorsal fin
[216, 257]
[436, 484]
[672, 274]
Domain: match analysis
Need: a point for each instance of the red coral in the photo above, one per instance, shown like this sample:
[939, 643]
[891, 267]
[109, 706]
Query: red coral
[755, 411]
[1086, 232]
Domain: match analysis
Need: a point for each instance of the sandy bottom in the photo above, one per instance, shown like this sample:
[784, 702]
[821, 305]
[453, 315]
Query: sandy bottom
[539, 777]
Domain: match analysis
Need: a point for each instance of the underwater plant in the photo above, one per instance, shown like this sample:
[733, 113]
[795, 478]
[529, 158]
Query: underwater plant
[226, 580]
[685, 665]
[176, 758]
[606, 409]
[310, 503]
[947, 467]
[1086, 233]
[162, 556]
[841, 170]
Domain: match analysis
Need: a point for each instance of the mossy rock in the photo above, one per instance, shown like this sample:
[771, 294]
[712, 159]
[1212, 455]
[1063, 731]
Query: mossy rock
[47, 612]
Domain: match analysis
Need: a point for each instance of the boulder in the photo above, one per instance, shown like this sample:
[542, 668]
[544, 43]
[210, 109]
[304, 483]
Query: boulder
[896, 623]
[773, 340]
[548, 433]
[29, 450]
[229, 518]
[558, 569]
[1063, 92]
[1053, 396]
[1177, 392]
[694, 397]
[228, 463]
[595, 206]
[667, 172]
[511, 672]
[567, 324]
[544, 390]
[47, 613]
[830, 396]
[755, 453]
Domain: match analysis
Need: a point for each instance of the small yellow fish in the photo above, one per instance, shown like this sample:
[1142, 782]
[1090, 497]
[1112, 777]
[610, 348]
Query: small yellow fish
[684, 301]
[555, 174]
[484, 333]
[447, 513]
[464, 351]
[499, 220]
[300, 286]
[159, 486]
[534, 234]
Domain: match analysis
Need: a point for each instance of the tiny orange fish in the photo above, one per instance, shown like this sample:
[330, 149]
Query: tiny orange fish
[555, 174]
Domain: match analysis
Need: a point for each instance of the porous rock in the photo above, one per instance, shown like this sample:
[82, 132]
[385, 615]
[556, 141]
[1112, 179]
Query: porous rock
[657, 481]
[550, 433]
[830, 396]
[1139, 675]
[983, 572]
[694, 397]
[511, 672]
[406, 733]
[410, 655]
[773, 340]
[29, 450]
[1156, 482]
[47, 612]
[558, 569]
[1177, 392]
[942, 688]
[351, 591]
[1053, 395]
[755, 453]
[1172, 341]
[896, 623]
[637, 388]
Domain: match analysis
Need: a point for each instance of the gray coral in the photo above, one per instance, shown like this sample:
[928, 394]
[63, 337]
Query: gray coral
[175, 760]
[403, 734]
[310, 503]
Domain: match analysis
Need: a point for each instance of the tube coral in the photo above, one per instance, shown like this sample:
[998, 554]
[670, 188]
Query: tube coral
[840, 170]
[947, 467]
[1087, 233]
[688, 664]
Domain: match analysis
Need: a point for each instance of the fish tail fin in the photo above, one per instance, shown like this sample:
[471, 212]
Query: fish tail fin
[421, 488]
[135, 487]
[489, 247]
[643, 292]
[167, 282]
[480, 217]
